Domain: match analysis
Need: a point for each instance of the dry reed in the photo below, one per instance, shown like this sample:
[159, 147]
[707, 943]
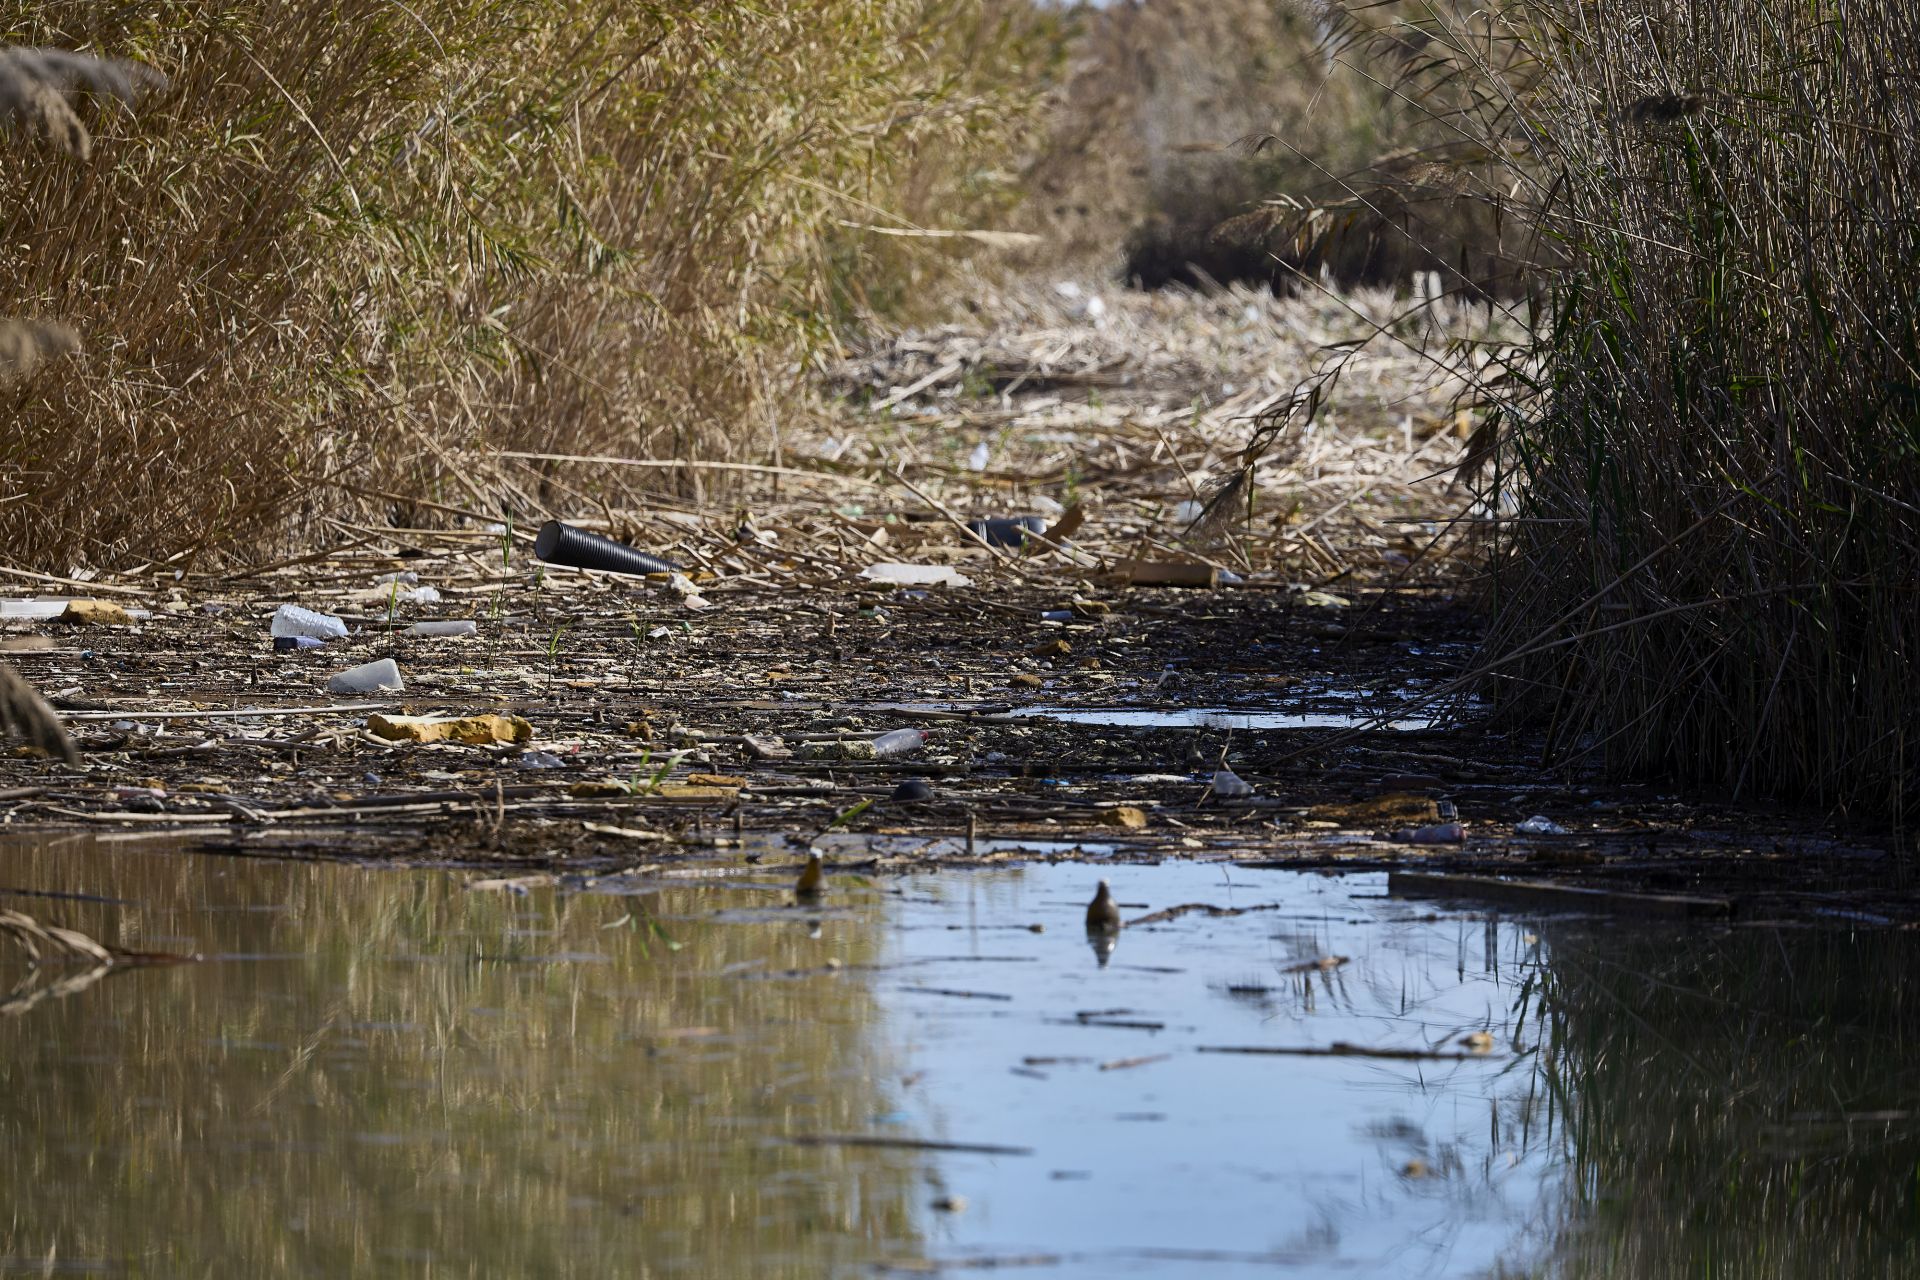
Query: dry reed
[369, 245]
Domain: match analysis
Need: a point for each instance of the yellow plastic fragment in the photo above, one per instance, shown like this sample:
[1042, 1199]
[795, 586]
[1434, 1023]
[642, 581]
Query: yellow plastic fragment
[99, 613]
[472, 731]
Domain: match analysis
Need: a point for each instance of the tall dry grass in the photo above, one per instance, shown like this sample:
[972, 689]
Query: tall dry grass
[356, 249]
[1708, 458]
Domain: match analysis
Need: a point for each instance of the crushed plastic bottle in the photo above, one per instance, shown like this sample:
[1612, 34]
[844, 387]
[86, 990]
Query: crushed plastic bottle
[1229, 785]
[898, 742]
[292, 620]
[916, 575]
[1539, 825]
[441, 629]
[289, 644]
[369, 677]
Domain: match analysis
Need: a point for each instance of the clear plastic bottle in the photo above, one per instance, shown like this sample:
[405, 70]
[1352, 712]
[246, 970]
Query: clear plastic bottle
[899, 742]
[292, 620]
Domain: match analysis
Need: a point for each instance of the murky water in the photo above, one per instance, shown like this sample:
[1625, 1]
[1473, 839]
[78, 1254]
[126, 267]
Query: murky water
[381, 1073]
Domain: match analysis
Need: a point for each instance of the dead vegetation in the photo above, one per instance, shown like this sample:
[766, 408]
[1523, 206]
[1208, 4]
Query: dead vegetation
[353, 252]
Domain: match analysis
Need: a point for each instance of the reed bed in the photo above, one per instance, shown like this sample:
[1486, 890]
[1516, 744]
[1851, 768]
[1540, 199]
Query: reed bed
[351, 251]
[1706, 459]
[1718, 461]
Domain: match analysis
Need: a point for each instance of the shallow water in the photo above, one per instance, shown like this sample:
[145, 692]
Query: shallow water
[379, 1072]
[1216, 718]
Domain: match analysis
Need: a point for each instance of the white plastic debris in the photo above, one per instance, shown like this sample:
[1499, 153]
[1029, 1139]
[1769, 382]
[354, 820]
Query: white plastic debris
[1187, 512]
[405, 577]
[1229, 785]
[369, 677]
[442, 629]
[292, 620]
[898, 742]
[978, 459]
[1539, 825]
[688, 591]
[420, 595]
[916, 575]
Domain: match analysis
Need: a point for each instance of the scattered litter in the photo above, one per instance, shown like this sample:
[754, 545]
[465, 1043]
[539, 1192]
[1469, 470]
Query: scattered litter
[688, 591]
[442, 629]
[1539, 825]
[916, 575]
[1324, 600]
[562, 544]
[911, 791]
[767, 748]
[368, 677]
[1007, 531]
[978, 459]
[898, 742]
[1166, 573]
[540, 760]
[293, 644]
[1230, 786]
[292, 620]
[97, 613]
[471, 731]
[1438, 833]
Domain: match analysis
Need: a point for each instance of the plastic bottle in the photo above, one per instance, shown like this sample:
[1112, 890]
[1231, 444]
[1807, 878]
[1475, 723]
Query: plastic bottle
[370, 677]
[292, 620]
[441, 629]
[899, 742]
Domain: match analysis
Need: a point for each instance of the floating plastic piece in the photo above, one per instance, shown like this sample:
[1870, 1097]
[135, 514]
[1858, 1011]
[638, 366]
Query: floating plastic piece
[1539, 825]
[292, 620]
[558, 543]
[1007, 531]
[290, 644]
[916, 575]
[442, 629]
[1230, 786]
[369, 677]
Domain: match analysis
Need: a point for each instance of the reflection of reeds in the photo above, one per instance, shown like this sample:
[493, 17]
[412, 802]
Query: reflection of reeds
[1736, 1104]
[385, 1067]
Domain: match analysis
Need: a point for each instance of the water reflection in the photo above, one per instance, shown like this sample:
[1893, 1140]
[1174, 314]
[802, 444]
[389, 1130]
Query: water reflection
[380, 1074]
[383, 1073]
